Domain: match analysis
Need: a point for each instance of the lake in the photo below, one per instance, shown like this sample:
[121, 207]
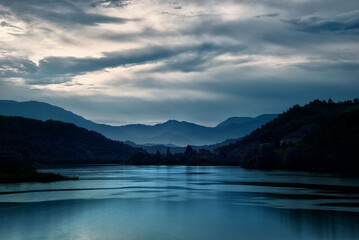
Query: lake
[179, 202]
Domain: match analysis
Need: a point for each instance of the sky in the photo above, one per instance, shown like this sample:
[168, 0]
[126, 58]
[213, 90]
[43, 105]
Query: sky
[147, 61]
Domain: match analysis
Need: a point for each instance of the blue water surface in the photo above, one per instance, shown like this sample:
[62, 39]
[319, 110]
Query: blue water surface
[179, 202]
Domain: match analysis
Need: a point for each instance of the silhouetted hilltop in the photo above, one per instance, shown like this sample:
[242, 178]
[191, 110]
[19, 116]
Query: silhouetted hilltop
[42, 111]
[247, 122]
[55, 142]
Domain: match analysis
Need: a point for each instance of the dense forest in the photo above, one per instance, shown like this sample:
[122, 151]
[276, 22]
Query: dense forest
[319, 136]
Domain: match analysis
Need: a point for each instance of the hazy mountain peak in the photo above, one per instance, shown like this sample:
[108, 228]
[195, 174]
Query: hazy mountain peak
[171, 121]
[245, 120]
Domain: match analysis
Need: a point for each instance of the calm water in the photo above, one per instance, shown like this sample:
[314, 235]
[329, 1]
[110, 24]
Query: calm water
[128, 202]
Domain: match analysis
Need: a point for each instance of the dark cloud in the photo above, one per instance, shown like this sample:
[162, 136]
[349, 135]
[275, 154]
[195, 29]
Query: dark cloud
[270, 37]
[345, 22]
[61, 69]
[198, 59]
[110, 3]
[146, 33]
[268, 15]
[70, 65]
[6, 24]
[187, 63]
[256, 34]
[61, 12]
[16, 67]
[337, 68]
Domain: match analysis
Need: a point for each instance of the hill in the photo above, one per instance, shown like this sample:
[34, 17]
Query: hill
[42, 111]
[320, 136]
[179, 133]
[247, 122]
[57, 142]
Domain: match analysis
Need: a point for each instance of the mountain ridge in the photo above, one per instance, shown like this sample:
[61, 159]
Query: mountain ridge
[179, 133]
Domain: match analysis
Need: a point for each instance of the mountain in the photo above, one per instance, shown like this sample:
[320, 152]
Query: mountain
[247, 122]
[320, 136]
[57, 142]
[42, 111]
[171, 132]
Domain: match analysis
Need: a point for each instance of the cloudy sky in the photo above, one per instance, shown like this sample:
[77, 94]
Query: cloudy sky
[147, 61]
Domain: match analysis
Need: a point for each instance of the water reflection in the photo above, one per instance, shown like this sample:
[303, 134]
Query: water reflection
[125, 202]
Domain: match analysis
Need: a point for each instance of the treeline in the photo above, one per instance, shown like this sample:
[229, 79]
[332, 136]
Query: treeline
[189, 157]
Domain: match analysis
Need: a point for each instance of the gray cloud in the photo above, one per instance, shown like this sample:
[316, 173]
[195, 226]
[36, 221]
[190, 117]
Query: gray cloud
[146, 33]
[16, 67]
[268, 15]
[60, 69]
[6, 24]
[110, 3]
[198, 59]
[337, 67]
[344, 22]
[62, 12]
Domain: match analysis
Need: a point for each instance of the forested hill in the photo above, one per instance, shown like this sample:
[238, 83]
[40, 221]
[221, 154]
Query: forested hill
[320, 136]
[54, 141]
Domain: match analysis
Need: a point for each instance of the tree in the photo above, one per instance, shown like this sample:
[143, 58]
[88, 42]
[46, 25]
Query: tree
[168, 152]
[189, 151]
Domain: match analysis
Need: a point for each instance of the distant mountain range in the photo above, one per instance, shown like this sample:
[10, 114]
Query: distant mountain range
[171, 132]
